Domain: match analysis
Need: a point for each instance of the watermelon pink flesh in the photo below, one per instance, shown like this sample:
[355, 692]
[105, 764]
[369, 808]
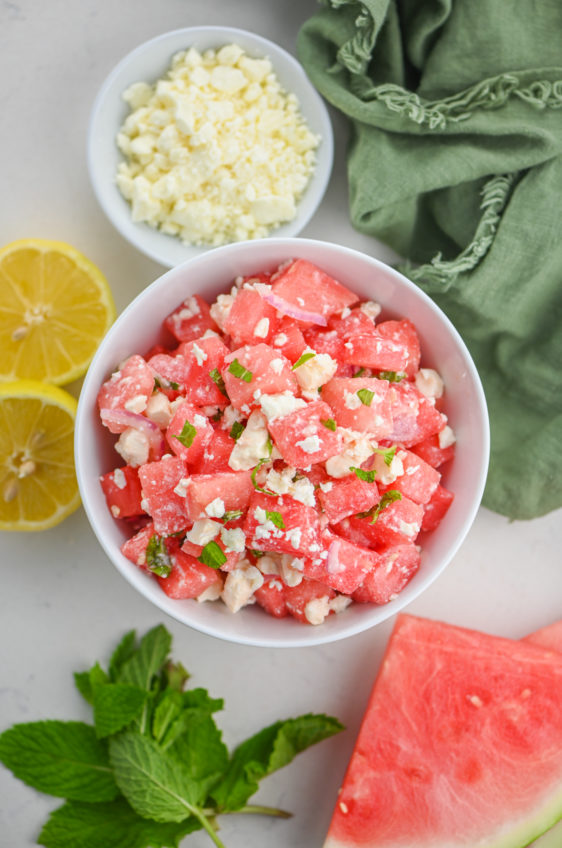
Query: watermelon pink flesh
[460, 746]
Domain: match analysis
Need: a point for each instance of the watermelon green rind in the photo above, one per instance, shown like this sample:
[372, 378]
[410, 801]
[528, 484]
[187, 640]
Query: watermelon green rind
[551, 839]
[461, 745]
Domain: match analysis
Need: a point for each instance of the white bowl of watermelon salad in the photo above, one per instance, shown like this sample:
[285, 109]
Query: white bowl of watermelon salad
[281, 442]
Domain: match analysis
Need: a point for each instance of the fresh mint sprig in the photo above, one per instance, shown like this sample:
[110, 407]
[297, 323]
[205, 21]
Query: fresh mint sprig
[152, 767]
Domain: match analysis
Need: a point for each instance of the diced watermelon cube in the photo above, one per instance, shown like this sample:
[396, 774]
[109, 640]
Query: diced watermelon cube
[281, 524]
[394, 569]
[251, 319]
[345, 566]
[356, 321]
[216, 454]
[166, 508]
[135, 547]
[129, 389]
[271, 596]
[347, 496]
[414, 417]
[308, 287]
[188, 577]
[431, 452]
[232, 488]
[325, 341]
[190, 320]
[419, 480]
[371, 350]
[308, 601]
[361, 403]
[189, 432]
[289, 339]
[302, 438]
[403, 333]
[122, 491]
[436, 509]
[171, 371]
[266, 371]
[203, 357]
[399, 522]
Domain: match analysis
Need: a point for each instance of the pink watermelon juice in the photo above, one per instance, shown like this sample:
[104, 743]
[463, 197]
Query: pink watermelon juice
[285, 448]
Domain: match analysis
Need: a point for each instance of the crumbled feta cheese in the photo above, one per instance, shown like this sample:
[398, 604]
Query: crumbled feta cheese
[294, 536]
[199, 354]
[136, 404]
[315, 371]
[199, 421]
[262, 328]
[429, 383]
[327, 487]
[234, 540]
[316, 611]
[217, 151]
[283, 483]
[446, 437]
[119, 478]
[133, 446]
[276, 406]
[352, 400]
[387, 474]
[280, 340]
[240, 585]
[181, 488]
[356, 449]
[371, 308]
[277, 365]
[339, 603]
[211, 593]
[291, 570]
[215, 509]
[159, 409]
[252, 444]
[309, 445]
[203, 531]
[220, 309]
[229, 417]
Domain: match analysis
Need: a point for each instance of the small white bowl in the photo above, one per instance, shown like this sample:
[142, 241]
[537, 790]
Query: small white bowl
[139, 327]
[148, 63]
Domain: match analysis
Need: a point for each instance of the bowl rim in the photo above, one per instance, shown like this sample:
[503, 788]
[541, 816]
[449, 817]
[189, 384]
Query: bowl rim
[140, 235]
[310, 636]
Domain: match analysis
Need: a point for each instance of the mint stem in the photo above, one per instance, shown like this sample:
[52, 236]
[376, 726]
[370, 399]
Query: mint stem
[199, 814]
[264, 811]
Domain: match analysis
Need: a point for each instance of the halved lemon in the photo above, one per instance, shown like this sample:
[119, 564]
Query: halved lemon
[38, 485]
[55, 308]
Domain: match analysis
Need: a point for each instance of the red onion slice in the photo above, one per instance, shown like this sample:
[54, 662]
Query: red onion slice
[293, 311]
[118, 420]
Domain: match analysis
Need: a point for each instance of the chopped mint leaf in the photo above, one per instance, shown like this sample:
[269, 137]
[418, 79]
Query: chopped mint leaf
[387, 453]
[257, 554]
[232, 515]
[365, 396]
[263, 461]
[212, 555]
[157, 557]
[236, 430]
[302, 359]
[173, 385]
[188, 433]
[216, 377]
[360, 372]
[237, 369]
[367, 476]
[329, 423]
[387, 498]
[391, 376]
[61, 758]
[276, 518]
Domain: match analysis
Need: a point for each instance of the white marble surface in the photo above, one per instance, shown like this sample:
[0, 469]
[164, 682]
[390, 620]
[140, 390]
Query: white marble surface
[62, 604]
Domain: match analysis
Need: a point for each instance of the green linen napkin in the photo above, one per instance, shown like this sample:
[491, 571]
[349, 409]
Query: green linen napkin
[455, 161]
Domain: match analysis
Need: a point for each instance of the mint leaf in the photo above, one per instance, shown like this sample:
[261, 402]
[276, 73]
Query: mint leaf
[86, 681]
[391, 376]
[212, 555]
[360, 372]
[232, 515]
[124, 650]
[237, 369]
[276, 518]
[270, 749]
[146, 662]
[388, 497]
[157, 556]
[365, 396]
[236, 430]
[302, 359]
[112, 824]
[188, 433]
[387, 453]
[367, 476]
[115, 706]
[154, 784]
[199, 749]
[329, 423]
[61, 758]
[216, 377]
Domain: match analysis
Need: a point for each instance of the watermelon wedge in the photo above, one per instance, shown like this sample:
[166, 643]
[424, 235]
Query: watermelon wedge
[460, 746]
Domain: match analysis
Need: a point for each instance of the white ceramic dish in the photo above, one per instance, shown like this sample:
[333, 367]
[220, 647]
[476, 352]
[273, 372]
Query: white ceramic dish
[149, 62]
[139, 327]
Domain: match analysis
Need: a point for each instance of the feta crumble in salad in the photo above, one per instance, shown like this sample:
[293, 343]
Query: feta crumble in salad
[283, 450]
